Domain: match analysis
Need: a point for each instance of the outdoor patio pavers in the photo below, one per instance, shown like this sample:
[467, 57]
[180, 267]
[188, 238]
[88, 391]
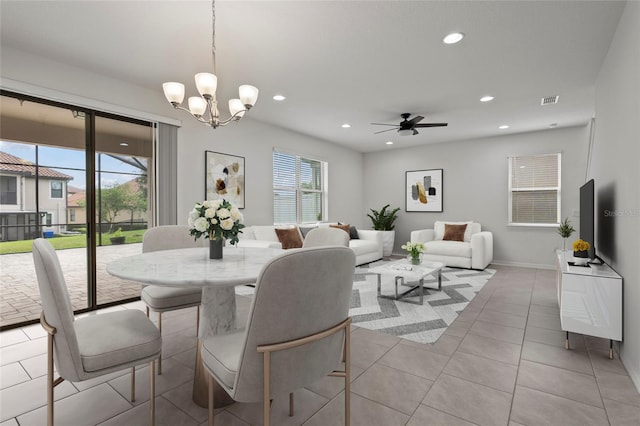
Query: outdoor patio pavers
[19, 294]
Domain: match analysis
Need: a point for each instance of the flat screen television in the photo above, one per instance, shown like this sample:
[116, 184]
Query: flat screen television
[587, 219]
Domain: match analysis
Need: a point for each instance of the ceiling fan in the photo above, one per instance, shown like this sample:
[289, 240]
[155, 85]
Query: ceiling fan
[408, 127]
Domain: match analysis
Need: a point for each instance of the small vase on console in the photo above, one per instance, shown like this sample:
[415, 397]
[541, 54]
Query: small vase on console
[215, 249]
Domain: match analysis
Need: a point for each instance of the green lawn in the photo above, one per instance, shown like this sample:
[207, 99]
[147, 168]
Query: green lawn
[65, 242]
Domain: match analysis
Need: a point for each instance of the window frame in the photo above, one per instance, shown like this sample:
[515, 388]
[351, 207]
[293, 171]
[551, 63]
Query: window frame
[299, 190]
[17, 198]
[51, 189]
[557, 188]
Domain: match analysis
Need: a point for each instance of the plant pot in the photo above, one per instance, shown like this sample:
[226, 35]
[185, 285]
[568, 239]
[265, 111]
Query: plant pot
[117, 240]
[415, 260]
[215, 249]
[582, 254]
[388, 238]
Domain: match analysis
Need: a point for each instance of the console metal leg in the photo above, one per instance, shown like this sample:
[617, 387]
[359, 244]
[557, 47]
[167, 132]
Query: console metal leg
[439, 280]
[610, 349]
[379, 284]
[566, 342]
[421, 291]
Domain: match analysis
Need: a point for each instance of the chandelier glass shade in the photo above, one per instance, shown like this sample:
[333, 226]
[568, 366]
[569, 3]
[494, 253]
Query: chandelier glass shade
[204, 108]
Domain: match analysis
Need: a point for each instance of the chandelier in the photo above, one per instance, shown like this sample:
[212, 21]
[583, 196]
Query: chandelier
[204, 108]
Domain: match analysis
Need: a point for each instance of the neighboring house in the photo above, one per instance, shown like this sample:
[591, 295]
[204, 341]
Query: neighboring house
[76, 207]
[18, 208]
[77, 213]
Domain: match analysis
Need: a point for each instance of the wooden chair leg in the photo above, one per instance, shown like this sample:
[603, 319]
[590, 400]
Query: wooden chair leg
[211, 407]
[197, 320]
[152, 392]
[266, 390]
[133, 383]
[291, 404]
[160, 357]
[147, 311]
[347, 375]
[50, 380]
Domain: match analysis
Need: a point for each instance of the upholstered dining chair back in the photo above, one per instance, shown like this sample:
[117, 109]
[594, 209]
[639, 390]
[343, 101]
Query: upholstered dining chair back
[168, 237]
[298, 294]
[58, 310]
[326, 237]
[93, 345]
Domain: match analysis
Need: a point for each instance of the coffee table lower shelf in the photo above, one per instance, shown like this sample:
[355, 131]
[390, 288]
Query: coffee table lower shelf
[400, 279]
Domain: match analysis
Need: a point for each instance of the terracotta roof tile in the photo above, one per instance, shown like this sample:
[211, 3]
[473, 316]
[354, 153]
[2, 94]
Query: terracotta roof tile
[11, 163]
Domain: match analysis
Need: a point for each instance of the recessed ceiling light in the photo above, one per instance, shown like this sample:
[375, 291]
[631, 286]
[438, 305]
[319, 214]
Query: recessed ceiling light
[453, 38]
[504, 126]
[486, 98]
[124, 144]
[553, 125]
[389, 142]
[279, 98]
[346, 125]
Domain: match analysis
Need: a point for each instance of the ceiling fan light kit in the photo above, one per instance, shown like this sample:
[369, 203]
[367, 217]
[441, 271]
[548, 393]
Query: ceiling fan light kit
[204, 108]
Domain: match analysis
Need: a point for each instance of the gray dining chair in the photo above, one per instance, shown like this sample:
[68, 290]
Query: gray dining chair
[92, 346]
[326, 237]
[162, 299]
[297, 331]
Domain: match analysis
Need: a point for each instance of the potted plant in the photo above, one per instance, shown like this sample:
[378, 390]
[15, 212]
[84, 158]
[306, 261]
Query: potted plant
[565, 230]
[581, 252]
[118, 237]
[415, 250]
[383, 221]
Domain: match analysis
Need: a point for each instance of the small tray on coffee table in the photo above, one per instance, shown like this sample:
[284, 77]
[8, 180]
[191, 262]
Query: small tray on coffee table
[403, 270]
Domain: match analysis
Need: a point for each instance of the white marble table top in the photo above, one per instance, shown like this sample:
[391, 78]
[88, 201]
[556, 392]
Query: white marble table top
[404, 268]
[193, 268]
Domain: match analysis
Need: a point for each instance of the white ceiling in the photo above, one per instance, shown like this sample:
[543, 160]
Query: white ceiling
[345, 61]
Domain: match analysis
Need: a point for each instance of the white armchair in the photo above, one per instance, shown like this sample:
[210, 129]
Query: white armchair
[474, 252]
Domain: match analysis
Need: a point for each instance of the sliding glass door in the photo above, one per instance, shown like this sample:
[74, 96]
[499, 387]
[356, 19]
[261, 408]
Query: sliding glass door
[78, 178]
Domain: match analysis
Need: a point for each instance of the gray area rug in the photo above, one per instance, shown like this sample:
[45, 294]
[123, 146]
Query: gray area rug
[420, 323]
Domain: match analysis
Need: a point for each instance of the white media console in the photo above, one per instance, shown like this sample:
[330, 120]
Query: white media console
[590, 299]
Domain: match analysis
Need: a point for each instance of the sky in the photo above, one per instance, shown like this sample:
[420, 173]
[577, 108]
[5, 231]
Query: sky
[64, 160]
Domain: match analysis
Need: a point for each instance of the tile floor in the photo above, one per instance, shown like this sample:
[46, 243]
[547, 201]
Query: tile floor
[501, 363]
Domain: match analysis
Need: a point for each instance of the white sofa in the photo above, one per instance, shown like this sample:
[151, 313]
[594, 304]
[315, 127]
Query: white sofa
[475, 252]
[368, 246]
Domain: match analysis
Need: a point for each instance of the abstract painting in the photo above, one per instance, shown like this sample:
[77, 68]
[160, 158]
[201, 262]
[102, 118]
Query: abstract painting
[224, 178]
[424, 191]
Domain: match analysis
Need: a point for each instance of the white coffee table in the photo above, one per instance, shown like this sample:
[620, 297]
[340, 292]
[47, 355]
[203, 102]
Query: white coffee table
[403, 270]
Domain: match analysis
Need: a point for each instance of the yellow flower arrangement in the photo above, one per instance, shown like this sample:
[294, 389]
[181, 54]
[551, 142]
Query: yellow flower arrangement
[580, 245]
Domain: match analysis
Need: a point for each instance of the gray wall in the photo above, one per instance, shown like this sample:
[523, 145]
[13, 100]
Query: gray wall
[616, 159]
[255, 141]
[249, 138]
[476, 187]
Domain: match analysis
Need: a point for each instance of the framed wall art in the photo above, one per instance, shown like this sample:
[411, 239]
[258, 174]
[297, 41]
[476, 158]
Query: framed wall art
[424, 191]
[224, 178]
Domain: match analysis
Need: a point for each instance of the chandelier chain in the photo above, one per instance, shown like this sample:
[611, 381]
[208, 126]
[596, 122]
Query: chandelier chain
[213, 36]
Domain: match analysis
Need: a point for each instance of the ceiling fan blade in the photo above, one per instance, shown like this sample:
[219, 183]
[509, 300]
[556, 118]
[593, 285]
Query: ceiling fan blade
[384, 124]
[382, 131]
[431, 125]
[415, 120]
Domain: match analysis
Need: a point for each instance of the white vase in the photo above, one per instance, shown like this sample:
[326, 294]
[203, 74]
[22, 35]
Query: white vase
[388, 238]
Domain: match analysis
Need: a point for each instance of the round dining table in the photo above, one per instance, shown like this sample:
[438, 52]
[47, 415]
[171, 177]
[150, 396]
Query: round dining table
[217, 277]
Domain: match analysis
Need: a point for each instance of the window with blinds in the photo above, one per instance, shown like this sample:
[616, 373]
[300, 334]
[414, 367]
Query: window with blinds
[534, 189]
[299, 190]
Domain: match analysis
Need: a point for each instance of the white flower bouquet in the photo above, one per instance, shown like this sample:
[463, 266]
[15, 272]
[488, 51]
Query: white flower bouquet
[217, 220]
[414, 249]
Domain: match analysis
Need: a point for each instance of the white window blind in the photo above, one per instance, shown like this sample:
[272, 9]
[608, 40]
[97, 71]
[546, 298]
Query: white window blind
[534, 189]
[299, 191]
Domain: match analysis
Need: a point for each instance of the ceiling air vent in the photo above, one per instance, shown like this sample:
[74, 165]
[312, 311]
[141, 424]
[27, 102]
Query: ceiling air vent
[550, 100]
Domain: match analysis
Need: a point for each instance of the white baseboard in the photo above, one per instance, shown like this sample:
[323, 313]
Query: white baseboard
[633, 374]
[523, 265]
